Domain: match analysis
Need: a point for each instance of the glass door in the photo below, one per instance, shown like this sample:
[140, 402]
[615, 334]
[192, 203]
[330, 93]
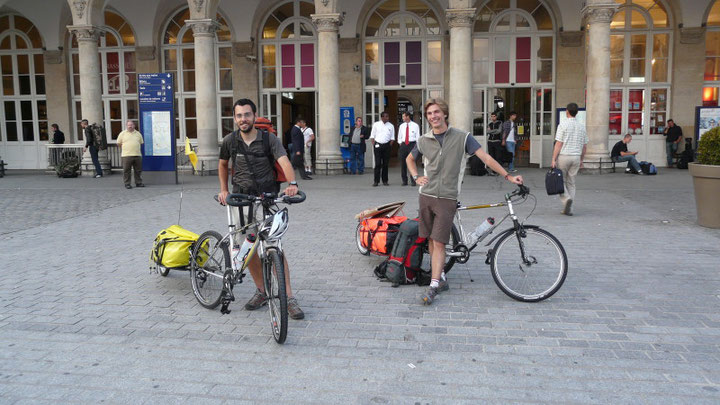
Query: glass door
[271, 108]
[542, 126]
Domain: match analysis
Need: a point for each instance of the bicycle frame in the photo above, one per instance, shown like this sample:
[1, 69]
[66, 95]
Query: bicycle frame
[465, 251]
[260, 245]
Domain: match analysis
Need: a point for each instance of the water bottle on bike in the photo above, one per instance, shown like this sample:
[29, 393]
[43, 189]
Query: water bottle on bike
[239, 252]
[481, 231]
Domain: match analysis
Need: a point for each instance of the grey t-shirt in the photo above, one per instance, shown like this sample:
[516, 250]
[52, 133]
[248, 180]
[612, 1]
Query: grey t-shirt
[471, 145]
[356, 137]
[242, 178]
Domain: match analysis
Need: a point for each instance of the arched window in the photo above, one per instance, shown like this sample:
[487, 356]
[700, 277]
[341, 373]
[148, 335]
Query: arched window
[23, 112]
[179, 58]
[288, 48]
[712, 57]
[118, 76]
[640, 58]
[399, 36]
[522, 46]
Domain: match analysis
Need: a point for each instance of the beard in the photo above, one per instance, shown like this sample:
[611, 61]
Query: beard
[247, 131]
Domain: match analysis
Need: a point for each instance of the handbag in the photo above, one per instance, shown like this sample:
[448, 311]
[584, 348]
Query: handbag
[554, 182]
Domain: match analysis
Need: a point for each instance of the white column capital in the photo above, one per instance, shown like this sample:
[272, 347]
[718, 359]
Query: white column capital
[600, 12]
[328, 22]
[460, 17]
[86, 32]
[205, 27]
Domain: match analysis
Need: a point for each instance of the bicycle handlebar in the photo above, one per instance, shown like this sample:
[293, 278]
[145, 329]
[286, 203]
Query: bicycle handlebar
[522, 191]
[239, 200]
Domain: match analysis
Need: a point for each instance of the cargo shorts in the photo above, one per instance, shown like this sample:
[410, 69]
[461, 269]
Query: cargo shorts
[436, 218]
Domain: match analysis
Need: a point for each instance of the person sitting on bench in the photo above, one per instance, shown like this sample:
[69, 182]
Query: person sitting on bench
[620, 154]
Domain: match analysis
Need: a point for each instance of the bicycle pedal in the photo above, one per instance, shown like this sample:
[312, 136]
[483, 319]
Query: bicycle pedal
[224, 309]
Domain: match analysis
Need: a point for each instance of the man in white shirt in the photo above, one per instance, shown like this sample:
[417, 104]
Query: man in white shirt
[570, 146]
[407, 136]
[382, 138]
[309, 136]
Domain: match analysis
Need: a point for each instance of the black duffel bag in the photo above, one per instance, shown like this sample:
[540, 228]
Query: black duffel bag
[554, 182]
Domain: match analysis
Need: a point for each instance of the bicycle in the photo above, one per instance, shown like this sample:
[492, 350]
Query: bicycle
[212, 275]
[528, 263]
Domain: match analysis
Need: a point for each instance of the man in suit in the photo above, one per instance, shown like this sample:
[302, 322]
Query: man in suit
[357, 147]
[298, 148]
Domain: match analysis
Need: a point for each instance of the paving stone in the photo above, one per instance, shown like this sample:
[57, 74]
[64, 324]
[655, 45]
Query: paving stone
[636, 321]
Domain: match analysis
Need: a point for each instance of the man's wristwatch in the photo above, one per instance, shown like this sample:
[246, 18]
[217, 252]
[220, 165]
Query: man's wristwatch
[293, 183]
[414, 177]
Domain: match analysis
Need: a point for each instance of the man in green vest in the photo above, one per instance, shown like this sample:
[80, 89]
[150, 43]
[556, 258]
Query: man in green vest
[444, 152]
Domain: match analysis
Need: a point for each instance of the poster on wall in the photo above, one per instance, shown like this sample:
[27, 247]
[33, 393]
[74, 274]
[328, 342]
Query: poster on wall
[580, 117]
[706, 118]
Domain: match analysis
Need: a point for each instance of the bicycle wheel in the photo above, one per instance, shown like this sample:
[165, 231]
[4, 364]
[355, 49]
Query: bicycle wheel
[449, 261]
[537, 279]
[358, 241]
[274, 279]
[210, 260]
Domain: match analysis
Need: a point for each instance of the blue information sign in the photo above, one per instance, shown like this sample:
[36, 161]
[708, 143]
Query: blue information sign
[347, 120]
[157, 121]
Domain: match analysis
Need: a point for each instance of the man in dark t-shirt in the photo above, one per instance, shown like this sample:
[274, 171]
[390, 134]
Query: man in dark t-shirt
[253, 174]
[620, 154]
[673, 136]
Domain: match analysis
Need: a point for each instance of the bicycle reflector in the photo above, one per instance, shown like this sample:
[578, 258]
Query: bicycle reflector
[274, 227]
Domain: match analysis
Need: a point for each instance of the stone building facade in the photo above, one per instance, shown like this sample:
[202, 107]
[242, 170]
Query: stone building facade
[631, 63]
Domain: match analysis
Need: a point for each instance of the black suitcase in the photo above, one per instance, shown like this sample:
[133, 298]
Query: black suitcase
[554, 182]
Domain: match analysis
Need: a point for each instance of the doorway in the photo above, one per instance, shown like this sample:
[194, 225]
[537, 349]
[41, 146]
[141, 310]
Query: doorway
[395, 102]
[504, 100]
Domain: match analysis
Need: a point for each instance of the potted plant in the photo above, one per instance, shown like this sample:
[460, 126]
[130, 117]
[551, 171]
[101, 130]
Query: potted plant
[706, 179]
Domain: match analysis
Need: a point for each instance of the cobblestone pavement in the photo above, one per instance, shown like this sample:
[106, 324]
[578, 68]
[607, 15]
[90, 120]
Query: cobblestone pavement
[83, 320]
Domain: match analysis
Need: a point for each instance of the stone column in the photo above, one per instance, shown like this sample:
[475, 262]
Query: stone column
[90, 88]
[599, 14]
[461, 52]
[688, 75]
[329, 159]
[206, 93]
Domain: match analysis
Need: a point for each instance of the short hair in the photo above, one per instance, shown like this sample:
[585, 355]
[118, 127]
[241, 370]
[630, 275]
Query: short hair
[493, 113]
[244, 102]
[299, 119]
[358, 118]
[55, 126]
[438, 102]
[85, 121]
[671, 120]
[572, 108]
[511, 113]
[627, 136]
[408, 114]
[385, 113]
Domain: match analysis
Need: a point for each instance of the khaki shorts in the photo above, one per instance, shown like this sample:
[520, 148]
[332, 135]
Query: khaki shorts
[436, 218]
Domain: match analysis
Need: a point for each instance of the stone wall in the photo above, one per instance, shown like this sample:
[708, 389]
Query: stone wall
[688, 69]
[570, 69]
[351, 83]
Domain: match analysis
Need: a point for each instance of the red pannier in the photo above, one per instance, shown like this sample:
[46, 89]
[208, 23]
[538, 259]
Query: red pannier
[378, 234]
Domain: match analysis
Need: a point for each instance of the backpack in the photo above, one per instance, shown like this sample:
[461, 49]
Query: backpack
[99, 138]
[378, 234]
[477, 167]
[68, 167]
[240, 147]
[686, 156]
[406, 256]
[171, 248]
[648, 168]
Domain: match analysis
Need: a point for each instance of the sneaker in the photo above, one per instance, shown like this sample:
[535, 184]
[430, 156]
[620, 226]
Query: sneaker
[139, 185]
[97, 176]
[294, 309]
[429, 296]
[256, 301]
[568, 208]
[512, 171]
[127, 186]
[443, 286]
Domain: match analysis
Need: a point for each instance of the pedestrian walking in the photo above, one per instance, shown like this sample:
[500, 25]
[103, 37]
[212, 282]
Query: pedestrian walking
[570, 146]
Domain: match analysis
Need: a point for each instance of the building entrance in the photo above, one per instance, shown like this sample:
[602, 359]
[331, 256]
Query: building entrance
[395, 102]
[505, 100]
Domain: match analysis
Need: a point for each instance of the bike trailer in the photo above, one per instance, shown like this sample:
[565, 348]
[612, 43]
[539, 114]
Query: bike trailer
[172, 249]
[378, 234]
